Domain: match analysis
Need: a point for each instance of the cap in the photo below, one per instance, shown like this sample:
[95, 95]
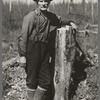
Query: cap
[38, 0]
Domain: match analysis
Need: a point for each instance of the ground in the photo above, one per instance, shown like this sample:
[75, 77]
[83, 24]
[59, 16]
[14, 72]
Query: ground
[14, 84]
[84, 87]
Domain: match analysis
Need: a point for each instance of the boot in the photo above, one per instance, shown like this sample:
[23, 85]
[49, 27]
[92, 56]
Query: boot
[39, 94]
[30, 94]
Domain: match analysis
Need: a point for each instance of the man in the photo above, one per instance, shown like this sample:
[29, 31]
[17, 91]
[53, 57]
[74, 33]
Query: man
[33, 48]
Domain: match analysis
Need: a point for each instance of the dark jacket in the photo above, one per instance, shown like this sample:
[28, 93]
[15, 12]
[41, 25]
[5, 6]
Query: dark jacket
[37, 27]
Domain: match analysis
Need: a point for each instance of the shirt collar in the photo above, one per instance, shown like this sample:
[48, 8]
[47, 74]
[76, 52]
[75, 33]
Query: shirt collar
[38, 12]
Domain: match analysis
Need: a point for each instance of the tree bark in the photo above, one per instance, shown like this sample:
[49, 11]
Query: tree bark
[65, 53]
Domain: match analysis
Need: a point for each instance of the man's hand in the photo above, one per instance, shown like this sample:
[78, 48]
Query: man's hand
[74, 26]
[22, 61]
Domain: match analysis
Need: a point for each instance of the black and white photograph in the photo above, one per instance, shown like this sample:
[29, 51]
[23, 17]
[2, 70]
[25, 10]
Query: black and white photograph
[50, 50]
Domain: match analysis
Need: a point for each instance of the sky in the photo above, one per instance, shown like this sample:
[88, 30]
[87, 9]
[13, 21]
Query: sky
[54, 1]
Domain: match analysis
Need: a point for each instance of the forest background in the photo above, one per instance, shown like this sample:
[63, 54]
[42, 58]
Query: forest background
[83, 14]
[12, 15]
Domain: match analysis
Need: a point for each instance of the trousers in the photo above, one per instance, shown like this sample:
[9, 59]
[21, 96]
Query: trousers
[37, 66]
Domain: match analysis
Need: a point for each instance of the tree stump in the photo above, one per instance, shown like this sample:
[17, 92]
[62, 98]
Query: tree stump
[64, 58]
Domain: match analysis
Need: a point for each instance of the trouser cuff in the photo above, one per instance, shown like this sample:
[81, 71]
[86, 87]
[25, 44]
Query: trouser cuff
[41, 88]
[30, 89]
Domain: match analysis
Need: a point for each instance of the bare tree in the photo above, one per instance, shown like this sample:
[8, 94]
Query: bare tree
[92, 9]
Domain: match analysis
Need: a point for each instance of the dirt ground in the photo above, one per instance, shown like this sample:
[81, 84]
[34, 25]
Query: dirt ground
[83, 87]
[84, 84]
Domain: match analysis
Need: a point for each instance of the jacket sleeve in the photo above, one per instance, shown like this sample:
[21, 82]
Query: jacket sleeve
[23, 38]
[56, 20]
[64, 21]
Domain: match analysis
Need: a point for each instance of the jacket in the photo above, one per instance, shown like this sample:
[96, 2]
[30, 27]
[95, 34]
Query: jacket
[37, 27]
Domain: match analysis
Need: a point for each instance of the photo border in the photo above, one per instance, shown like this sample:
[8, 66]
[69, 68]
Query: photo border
[99, 47]
[0, 49]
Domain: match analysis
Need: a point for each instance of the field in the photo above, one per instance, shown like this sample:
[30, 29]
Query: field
[84, 85]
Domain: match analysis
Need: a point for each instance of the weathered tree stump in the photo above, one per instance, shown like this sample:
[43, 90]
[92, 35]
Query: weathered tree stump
[65, 53]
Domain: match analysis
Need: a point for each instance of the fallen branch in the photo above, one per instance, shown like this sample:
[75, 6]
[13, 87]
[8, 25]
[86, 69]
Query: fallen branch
[91, 25]
[88, 31]
[10, 62]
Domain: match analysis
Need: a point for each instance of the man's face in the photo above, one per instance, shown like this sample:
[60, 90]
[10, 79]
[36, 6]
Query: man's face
[43, 4]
